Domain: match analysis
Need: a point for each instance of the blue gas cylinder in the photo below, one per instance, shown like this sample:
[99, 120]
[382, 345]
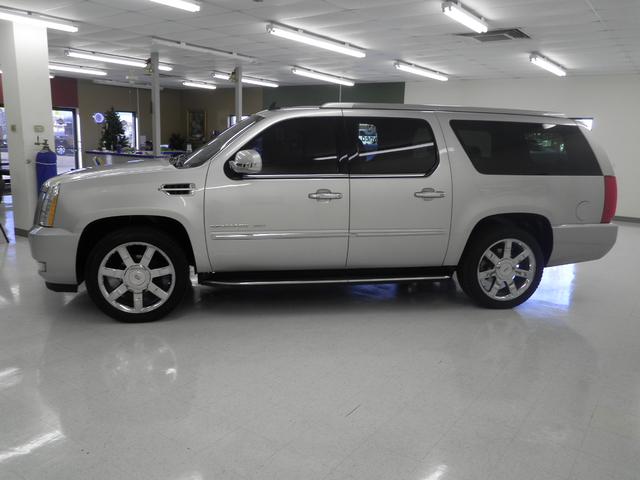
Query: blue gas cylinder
[46, 165]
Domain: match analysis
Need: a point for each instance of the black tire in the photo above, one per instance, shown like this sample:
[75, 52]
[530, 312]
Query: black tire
[136, 240]
[474, 262]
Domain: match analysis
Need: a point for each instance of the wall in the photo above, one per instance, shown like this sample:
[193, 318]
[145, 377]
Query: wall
[614, 102]
[64, 92]
[94, 98]
[319, 94]
[218, 104]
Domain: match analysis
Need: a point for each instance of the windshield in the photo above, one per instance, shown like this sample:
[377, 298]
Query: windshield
[207, 151]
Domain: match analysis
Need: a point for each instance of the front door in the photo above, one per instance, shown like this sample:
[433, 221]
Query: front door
[294, 214]
[400, 190]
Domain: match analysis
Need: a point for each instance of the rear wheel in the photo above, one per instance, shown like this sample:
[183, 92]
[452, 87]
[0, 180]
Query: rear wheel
[502, 267]
[137, 275]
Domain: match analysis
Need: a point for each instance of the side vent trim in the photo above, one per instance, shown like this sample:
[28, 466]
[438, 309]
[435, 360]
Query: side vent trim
[172, 189]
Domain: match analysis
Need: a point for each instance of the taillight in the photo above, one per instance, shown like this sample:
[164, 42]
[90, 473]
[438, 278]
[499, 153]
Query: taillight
[610, 199]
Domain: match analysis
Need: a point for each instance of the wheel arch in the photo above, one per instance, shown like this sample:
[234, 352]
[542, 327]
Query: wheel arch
[535, 224]
[94, 231]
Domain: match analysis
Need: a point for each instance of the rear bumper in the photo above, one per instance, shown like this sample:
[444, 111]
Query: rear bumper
[55, 249]
[581, 243]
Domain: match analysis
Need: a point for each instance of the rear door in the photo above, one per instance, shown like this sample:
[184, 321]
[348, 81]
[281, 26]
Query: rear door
[401, 189]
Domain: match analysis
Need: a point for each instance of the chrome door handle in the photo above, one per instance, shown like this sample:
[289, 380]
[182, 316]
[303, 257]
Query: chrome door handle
[324, 194]
[428, 194]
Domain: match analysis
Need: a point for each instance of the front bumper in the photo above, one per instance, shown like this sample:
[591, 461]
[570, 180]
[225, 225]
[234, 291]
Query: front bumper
[581, 243]
[56, 249]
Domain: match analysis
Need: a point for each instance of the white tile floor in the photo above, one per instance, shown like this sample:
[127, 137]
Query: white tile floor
[367, 382]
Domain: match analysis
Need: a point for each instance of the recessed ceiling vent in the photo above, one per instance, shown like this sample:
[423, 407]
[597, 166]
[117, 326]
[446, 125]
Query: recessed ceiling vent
[498, 35]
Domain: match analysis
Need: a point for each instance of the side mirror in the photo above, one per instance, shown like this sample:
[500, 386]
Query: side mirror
[246, 161]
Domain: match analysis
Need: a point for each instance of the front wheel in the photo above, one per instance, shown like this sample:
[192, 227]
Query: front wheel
[137, 274]
[502, 267]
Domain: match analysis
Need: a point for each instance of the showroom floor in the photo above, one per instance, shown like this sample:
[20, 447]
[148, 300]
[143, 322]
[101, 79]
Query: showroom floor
[366, 382]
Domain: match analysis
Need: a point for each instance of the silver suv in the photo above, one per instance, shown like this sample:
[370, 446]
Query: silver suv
[337, 193]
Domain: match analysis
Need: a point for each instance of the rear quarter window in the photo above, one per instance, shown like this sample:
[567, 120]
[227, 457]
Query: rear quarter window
[516, 148]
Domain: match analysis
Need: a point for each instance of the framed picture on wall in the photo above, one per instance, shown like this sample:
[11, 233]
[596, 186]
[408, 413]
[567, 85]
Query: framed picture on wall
[196, 124]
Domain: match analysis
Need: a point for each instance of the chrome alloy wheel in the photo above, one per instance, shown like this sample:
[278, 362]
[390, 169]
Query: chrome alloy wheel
[136, 277]
[506, 269]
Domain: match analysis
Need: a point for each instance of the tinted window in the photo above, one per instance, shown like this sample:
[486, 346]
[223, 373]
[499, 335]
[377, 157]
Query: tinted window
[298, 146]
[392, 146]
[511, 148]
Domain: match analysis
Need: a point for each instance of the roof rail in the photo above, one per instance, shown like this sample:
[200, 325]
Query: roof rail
[437, 108]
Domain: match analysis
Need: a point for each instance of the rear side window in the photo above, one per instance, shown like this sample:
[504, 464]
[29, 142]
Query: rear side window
[298, 146]
[392, 146]
[513, 148]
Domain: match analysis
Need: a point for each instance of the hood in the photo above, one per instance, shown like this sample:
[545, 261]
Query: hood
[142, 166]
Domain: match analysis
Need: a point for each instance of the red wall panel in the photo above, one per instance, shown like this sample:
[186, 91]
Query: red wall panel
[64, 92]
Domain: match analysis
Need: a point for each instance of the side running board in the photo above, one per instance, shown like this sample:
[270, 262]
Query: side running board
[302, 277]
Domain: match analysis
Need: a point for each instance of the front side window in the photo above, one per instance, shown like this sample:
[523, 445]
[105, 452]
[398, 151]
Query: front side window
[298, 146]
[514, 148]
[207, 151]
[392, 146]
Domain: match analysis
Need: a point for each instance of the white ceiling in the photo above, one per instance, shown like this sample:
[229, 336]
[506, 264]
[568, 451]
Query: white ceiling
[586, 36]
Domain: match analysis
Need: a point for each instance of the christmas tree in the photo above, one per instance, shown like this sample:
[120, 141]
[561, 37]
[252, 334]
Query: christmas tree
[113, 137]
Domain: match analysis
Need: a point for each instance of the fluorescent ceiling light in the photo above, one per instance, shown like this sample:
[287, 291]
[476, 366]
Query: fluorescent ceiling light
[314, 40]
[207, 86]
[221, 75]
[31, 18]
[201, 49]
[257, 81]
[547, 64]
[457, 12]
[113, 83]
[322, 76]
[77, 69]
[249, 80]
[118, 60]
[424, 72]
[51, 77]
[181, 4]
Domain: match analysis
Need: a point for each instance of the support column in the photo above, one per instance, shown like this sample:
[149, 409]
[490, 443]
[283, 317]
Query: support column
[155, 103]
[24, 59]
[238, 93]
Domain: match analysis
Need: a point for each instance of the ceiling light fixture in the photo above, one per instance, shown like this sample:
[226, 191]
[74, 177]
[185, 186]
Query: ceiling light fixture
[423, 72]
[260, 82]
[201, 49]
[457, 12]
[31, 18]
[322, 76]
[77, 69]
[221, 75]
[314, 40]
[181, 4]
[249, 80]
[207, 86]
[113, 83]
[116, 59]
[547, 64]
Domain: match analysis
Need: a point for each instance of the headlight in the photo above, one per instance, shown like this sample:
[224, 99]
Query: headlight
[48, 203]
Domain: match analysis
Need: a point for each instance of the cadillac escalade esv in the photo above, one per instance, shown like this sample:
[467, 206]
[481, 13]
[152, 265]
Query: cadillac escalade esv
[337, 193]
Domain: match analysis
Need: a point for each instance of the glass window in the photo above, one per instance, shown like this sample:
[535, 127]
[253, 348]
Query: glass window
[513, 148]
[207, 151]
[64, 131]
[391, 146]
[298, 146]
[128, 120]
